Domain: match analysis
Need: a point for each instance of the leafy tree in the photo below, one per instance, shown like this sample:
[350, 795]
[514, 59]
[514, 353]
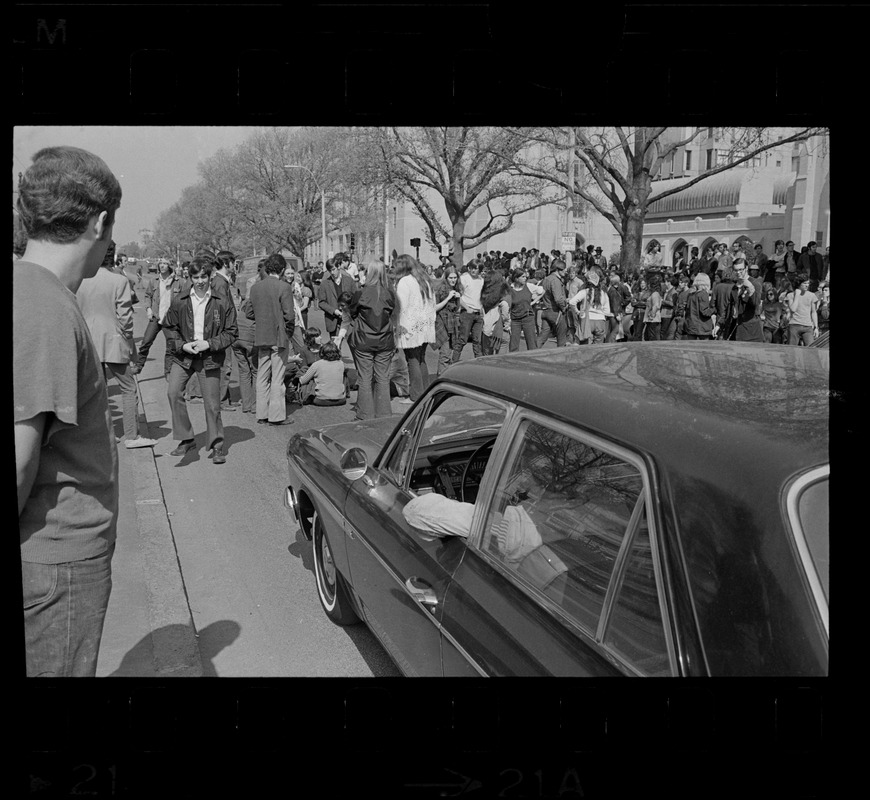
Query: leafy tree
[618, 167]
[467, 169]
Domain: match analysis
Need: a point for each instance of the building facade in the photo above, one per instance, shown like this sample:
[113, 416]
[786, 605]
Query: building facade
[783, 193]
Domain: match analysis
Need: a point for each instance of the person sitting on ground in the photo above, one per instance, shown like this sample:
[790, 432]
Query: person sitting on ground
[324, 382]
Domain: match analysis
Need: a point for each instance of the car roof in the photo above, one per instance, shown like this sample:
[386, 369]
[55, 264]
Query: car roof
[709, 407]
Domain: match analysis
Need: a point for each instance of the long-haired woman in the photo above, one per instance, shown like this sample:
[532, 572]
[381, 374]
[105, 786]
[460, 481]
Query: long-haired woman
[372, 342]
[416, 321]
[447, 327]
[652, 318]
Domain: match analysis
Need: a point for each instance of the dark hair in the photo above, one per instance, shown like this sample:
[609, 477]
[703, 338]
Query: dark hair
[516, 273]
[311, 337]
[493, 290]
[329, 352]
[109, 258]
[62, 191]
[199, 264]
[345, 299]
[225, 258]
[121, 255]
[556, 265]
[811, 244]
[789, 242]
[778, 242]
[275, 264]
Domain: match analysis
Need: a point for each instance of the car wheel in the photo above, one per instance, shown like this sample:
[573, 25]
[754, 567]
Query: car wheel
[331, 588]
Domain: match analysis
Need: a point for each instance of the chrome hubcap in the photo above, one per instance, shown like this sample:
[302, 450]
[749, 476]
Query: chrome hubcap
[326, 562]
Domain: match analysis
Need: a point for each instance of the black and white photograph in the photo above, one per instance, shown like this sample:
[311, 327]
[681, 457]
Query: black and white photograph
[355, 342]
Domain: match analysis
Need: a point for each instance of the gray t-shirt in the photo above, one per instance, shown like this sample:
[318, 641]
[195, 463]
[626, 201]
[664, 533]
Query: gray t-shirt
[71, 513]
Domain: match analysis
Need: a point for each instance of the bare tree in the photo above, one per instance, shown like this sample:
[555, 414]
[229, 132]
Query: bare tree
[468, 169]
[619, 166]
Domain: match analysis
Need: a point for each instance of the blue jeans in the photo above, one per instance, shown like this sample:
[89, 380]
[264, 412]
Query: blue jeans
[373, 384]
[470, 325]
[64, 610]
[151, 331]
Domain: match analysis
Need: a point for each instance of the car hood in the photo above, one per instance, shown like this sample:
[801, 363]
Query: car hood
[370, 435]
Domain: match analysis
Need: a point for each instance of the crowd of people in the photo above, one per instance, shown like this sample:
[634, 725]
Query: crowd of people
[388, 317]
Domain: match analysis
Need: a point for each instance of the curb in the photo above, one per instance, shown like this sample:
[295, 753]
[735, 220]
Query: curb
[173, 634]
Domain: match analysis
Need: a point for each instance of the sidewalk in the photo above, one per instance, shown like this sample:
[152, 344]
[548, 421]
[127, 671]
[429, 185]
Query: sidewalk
[149, 631]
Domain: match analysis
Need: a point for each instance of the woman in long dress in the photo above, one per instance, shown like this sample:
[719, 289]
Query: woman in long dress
[416, 321]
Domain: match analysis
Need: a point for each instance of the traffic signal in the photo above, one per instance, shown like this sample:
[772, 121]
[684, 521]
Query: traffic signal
[415, 242]
[352, 242]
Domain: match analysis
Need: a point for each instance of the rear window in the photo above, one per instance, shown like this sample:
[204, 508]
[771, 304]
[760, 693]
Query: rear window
[813, 512]
[808, 512]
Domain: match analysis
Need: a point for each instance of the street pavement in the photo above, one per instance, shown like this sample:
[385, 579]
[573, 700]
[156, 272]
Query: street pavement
[211, 575]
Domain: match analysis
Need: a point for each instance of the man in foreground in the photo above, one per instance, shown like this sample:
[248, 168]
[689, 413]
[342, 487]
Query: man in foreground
[65, 456]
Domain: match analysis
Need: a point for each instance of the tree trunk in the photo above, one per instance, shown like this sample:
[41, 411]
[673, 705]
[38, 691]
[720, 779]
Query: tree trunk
[458, 233]
[632, 240]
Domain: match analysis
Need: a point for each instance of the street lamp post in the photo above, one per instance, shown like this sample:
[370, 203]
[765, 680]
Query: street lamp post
[322, 208]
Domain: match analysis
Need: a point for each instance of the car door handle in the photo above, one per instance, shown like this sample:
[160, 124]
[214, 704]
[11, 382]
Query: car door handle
[421, 592]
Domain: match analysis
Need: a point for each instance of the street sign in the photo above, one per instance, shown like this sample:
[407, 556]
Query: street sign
[445, 249]
[568, 242]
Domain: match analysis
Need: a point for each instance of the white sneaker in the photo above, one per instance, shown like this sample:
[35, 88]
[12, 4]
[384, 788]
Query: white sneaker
[141, 441]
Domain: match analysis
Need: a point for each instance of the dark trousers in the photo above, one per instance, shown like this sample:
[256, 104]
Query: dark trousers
[373, 384]
[246, 359]
[553, 324]
[209, 381]
[668, 329]
[652, 331]
[418, 372]
[470, 325]
[526, 328]
[612, 329]
[151, 331]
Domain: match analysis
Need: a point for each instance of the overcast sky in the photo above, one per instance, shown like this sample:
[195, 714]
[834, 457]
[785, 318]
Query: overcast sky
[153, 164]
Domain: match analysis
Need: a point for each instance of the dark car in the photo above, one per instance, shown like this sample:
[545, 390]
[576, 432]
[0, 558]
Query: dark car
[648, 508]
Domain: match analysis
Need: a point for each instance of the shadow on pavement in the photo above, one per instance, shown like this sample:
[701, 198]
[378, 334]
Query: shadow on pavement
[139, 661]
[301, 548]
[214, 638]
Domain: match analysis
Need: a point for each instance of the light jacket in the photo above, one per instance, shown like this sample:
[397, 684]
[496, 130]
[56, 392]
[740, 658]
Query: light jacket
[106, 303]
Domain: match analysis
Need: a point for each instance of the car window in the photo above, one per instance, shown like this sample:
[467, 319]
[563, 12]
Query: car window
[813, 512]
[457, 432]
[559, 516]
[635, 630]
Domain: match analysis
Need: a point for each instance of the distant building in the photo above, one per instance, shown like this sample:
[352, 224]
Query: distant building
[783, 193]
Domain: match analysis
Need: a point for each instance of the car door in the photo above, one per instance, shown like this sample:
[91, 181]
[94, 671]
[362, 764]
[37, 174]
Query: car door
[401, 574]
[561, 575]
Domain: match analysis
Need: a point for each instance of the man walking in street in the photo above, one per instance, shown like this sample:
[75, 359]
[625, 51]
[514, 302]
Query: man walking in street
[159, 294]
[272, 309]
[553, 305]
[200, 325]
[107, 306]
[470, 312]
[222, 281]
[65, 455]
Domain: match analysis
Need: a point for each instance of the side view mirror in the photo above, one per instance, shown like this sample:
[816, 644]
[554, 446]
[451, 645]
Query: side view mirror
[353, 463]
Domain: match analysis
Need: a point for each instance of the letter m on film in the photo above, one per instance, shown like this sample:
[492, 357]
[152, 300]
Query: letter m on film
[59, 27]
